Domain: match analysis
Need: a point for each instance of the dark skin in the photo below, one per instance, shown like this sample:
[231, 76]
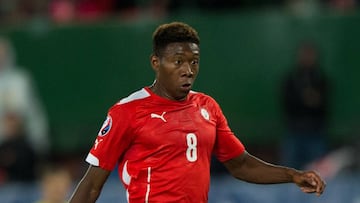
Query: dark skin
[176, 70]
[251, 169]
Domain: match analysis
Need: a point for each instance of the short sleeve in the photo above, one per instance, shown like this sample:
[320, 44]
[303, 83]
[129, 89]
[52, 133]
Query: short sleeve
[227, 145]
[112, 139]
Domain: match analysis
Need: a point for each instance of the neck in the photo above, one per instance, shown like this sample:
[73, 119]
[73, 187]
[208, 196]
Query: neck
[162, 92]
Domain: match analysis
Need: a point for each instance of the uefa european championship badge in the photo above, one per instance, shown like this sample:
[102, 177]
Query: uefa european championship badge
[106, 126]
[205, 114]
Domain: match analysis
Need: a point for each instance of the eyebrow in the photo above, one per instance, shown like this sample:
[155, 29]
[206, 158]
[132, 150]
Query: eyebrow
[197, 53]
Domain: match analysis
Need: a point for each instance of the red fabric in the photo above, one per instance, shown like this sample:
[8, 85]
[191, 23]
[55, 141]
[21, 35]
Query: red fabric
[164, 147]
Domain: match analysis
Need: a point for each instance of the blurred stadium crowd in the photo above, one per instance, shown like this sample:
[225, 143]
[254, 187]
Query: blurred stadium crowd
[24, 127]
[70, 11]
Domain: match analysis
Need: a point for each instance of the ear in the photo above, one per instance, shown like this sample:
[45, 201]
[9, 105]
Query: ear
[155, 62]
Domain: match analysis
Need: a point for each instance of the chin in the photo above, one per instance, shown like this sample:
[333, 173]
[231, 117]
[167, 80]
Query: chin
[182, 95]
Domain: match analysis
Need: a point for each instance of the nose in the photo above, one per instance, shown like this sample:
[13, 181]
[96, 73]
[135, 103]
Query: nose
[188, 71]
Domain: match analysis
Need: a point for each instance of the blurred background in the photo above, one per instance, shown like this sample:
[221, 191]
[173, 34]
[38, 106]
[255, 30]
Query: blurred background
[285, 73]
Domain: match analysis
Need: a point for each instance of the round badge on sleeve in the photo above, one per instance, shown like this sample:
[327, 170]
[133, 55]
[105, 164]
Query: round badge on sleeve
[205, 113]
[106, 126]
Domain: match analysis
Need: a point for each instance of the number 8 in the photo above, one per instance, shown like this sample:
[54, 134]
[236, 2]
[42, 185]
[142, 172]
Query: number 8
[191, 152]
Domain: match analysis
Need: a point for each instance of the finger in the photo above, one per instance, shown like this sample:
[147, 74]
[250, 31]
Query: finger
[316, 183]
[320, 185]
[308, 189]
[317, 186]
[313, 179]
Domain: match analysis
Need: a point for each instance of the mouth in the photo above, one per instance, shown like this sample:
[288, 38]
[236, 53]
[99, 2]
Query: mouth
[186, 86]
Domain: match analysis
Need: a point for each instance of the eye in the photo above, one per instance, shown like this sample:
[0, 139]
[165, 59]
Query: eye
[178, 62]
[195, 62]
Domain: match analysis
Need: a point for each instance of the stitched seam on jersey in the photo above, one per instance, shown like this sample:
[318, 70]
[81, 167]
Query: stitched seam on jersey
[148, 185]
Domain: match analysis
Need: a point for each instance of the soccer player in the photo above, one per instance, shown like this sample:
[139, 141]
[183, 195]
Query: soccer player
[162, 136]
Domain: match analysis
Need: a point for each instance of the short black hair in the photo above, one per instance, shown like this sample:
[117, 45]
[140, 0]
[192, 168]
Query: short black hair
[173, 32]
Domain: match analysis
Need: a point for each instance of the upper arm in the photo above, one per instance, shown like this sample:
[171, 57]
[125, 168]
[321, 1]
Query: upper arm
[90, 185]
[235, 164]
[96, 177]
[247, 167]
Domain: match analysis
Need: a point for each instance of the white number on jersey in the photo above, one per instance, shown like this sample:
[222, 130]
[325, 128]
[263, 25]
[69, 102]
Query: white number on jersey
[191, 152]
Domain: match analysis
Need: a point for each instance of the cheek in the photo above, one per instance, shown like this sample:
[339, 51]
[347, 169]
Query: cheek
[196, 70]
[169, 72]
[170, 77]
[166, 77]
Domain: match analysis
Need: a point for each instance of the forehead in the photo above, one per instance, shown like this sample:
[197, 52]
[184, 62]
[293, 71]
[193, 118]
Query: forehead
[179, 48]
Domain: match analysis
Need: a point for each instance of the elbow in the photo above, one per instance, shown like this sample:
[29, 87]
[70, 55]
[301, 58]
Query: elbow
[237, 166]
[246, 168]
[238, 176]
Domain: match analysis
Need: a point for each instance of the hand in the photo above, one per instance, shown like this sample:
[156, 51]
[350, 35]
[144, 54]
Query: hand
[310, 182]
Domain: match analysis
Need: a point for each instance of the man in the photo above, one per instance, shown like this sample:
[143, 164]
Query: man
[305, 96]
[163, 136]
[18, 94]
[18, 159]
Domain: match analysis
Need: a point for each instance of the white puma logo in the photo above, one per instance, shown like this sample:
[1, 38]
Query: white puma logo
[154, 115]
[97, 142]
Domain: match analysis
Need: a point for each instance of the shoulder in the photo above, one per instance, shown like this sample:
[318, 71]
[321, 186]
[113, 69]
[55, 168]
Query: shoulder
[135, 96]
[202, 97]
[132, 100]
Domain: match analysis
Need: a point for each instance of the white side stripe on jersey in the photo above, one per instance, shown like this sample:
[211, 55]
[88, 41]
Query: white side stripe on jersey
[140, 94]
[93, 160]
[126, 178]
[125, 175]
[148, 185]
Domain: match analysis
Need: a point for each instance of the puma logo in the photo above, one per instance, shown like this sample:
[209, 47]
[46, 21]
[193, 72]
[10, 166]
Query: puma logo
[154, 115]
[97, 142]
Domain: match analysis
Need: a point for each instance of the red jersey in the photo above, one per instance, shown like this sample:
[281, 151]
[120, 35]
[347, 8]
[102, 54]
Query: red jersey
[164, 147]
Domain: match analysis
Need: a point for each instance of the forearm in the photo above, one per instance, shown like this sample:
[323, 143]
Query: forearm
[251, 169]
[265, 173]
[254, 170]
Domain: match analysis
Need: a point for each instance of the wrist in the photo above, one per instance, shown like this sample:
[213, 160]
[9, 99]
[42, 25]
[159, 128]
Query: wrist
[292, 174]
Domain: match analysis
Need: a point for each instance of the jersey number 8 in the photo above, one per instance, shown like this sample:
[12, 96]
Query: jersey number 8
[191, 152]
